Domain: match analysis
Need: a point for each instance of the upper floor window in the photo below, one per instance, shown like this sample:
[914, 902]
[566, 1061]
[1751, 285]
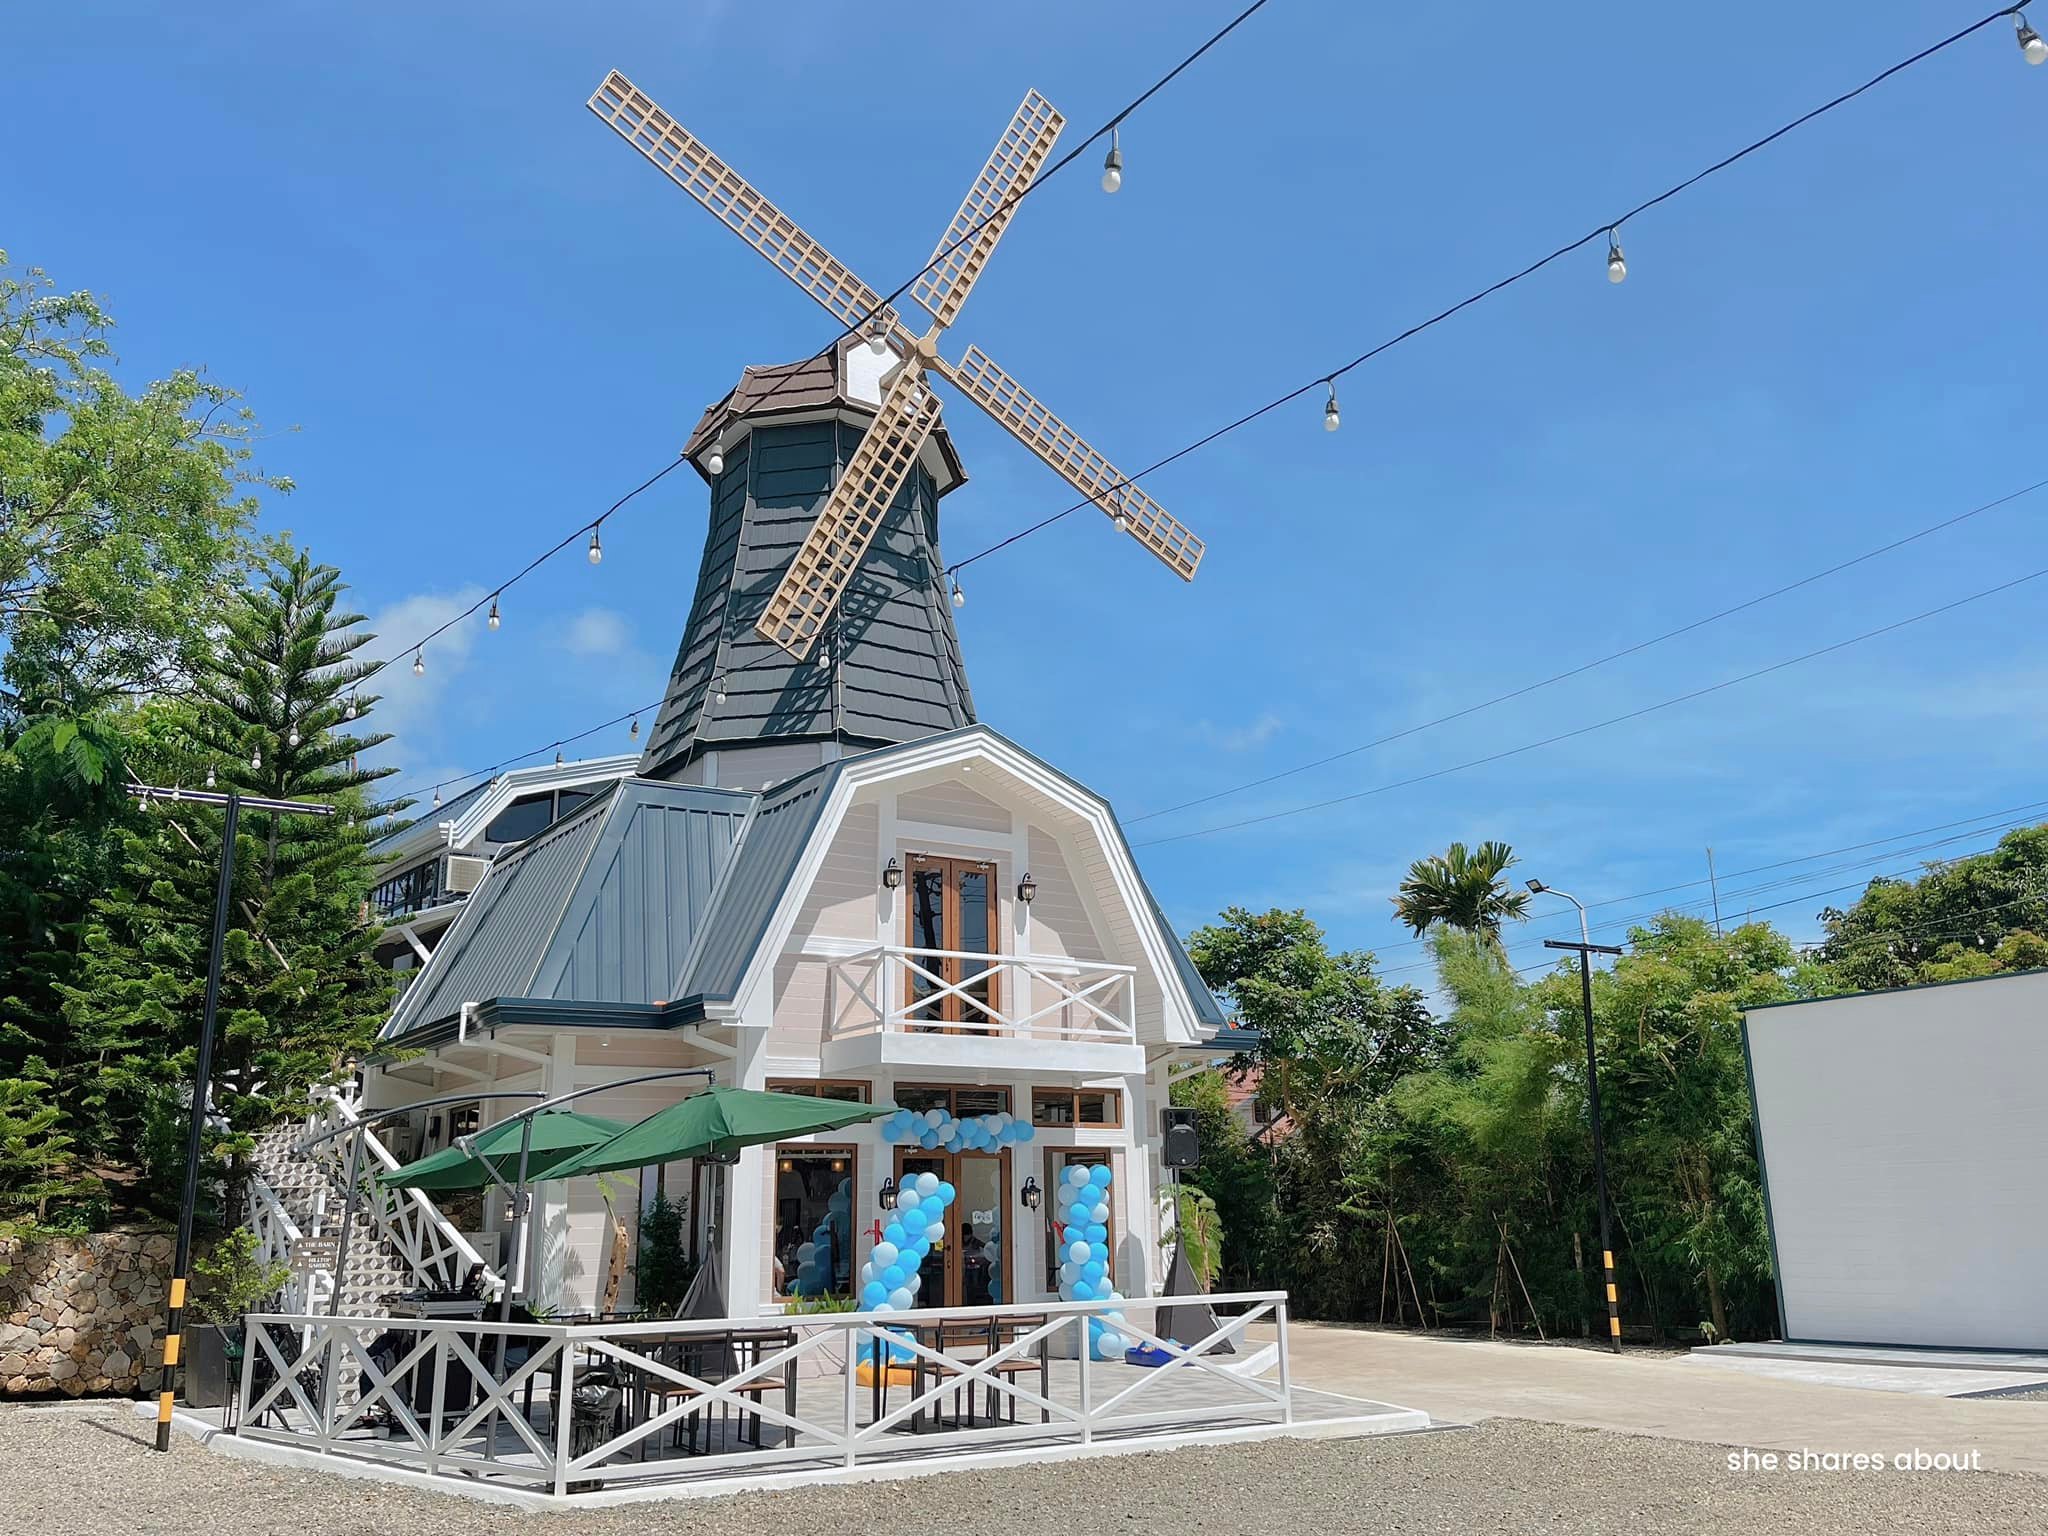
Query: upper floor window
[414, 890]
[522, 818]
[952, 910]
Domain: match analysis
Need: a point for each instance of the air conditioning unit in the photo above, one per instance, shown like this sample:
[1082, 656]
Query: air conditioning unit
[464, 872]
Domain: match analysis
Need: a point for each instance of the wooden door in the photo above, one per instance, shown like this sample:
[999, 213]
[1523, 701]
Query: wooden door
[952, 907]
[969, 1261]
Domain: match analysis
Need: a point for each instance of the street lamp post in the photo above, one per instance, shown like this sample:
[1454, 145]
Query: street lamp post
[232, 804]
[1587, 949]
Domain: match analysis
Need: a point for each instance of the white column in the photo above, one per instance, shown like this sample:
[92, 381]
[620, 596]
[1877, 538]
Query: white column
[745, 1238]
[547, 1258]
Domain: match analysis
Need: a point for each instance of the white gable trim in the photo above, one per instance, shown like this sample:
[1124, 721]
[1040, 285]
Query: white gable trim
[975, 745]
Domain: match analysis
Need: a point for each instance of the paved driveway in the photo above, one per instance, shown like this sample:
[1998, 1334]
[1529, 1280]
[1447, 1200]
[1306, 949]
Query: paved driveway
[1669, 1396]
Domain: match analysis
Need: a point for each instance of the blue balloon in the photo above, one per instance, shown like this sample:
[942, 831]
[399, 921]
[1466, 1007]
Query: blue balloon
[1093, 1271]
[947, 1193]
[953, 1142]
[894, 1234]
[1097, 1232]
[1099, 1176]
[873, 1294]
[912, 1221]
[1077, 1215]
[892, 1278]
[1083, 1291]
[928, 1140]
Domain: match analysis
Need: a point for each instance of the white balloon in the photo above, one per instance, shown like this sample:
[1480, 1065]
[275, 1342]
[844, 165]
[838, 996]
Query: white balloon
[899, 1299]
[1078, 1252]
[1069, 1272]
[1114, 1298]
[927, 1183]
[907, 1199]
[935, 1118]
[884, 1256]
[1077, 1175]
[1099, 1212]
[1109, 1343]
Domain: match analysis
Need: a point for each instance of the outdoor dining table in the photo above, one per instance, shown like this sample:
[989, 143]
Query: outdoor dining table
[714, 1358]
[986, 1338]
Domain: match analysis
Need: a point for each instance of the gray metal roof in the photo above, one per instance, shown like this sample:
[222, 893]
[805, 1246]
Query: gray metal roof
[600, 907]
[895, 672]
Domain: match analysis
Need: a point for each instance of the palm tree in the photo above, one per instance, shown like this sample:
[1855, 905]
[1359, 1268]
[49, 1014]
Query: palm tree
[1462, 888]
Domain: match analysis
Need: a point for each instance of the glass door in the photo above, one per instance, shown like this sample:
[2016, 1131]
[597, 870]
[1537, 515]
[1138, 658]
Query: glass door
[968, 1264]
[952, 907]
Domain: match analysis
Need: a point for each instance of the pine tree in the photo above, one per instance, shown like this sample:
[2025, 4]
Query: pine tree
[277, 714]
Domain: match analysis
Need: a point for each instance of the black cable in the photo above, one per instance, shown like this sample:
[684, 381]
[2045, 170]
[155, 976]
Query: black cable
[1598, 725]
[1606, 226]
[1559, 677]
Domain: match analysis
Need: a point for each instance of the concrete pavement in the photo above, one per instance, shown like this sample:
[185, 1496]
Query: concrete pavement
[1668, 1396]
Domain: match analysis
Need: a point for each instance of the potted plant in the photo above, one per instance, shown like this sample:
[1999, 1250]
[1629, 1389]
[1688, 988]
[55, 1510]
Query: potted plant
[233, 1281]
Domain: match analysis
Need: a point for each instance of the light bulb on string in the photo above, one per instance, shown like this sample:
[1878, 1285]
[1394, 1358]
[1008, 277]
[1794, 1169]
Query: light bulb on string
[558, 757]
[1113, 164]
[959, 597]
[2032, 48]
[878, 338]
[634, 733]
[596, 550]
[350, 713]
[437, 797]
[419, 663]
[714, 462]
[1617, 264]
[1118, 518]
[255, 759]
[292, 740]
[209, 775]
[1332, 417]
[492, 617]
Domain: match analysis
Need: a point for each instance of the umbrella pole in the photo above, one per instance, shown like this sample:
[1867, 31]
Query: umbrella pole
[517, 1266]
[348, 1222]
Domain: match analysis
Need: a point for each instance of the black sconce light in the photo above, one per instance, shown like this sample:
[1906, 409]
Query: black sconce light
[892, 875]
[1030, 1194]
[1027, 889]
[887, 1196]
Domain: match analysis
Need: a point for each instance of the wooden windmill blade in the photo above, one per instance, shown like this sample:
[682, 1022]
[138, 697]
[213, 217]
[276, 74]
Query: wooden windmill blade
[1070, 456]
[687, 161]
[990, 203]
[852, 516]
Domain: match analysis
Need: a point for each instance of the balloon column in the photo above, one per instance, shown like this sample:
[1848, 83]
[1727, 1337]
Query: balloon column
[1083, 1205]
[890, 1278]
[935, 1130]
[818, 1260]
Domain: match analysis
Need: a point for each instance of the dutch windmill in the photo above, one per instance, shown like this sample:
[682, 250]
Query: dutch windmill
[829, 558]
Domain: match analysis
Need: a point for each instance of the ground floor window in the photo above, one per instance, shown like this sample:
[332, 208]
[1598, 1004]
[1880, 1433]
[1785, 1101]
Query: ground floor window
[813, 1249]
[1057, 1161]
[1076, 1106]
[842, 1090]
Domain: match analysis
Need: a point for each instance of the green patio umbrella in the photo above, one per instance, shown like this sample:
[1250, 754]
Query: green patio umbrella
[558, 1135]
[716, 1123]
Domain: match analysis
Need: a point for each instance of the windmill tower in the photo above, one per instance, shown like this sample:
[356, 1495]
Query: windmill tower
[825, 480]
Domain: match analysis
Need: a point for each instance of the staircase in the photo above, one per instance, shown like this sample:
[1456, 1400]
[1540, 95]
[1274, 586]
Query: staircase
[312, 1190]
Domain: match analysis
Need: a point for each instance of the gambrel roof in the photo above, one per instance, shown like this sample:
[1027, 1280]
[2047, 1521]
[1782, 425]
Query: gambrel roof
[668, 895]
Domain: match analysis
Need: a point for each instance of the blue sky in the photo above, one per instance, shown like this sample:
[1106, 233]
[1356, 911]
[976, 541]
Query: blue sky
[483, 318]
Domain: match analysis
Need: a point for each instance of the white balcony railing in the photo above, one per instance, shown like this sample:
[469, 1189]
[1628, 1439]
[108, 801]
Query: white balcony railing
[891, 989]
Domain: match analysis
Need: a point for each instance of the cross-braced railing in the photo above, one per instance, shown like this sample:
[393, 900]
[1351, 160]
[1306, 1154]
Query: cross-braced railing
[276, 1235]
[892, 988]
[481, 1400]
[436, 1255]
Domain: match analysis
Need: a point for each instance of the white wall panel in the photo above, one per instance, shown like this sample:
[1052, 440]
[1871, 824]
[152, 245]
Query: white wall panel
[1905, 1143]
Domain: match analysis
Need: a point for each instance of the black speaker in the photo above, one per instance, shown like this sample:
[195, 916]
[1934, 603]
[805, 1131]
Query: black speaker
[1181, 1146]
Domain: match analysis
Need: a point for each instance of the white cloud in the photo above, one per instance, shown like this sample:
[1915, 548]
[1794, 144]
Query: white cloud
[411, 707]
[1239, 738]
[596, 632]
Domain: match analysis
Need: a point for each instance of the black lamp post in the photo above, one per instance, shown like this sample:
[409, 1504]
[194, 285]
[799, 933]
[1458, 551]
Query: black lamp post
[202, 1073]
[1587, 949]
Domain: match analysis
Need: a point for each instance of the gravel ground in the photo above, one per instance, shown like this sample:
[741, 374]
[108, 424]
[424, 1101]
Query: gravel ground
[89, 1471]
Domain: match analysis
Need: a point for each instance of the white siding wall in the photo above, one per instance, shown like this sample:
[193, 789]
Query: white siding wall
[840, 906]
[953, 804]
[1060, 924]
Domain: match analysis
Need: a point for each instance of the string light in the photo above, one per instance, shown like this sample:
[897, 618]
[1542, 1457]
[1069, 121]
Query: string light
[718, 689]
[1113, 165]
[959, 597]
[1617, 264]
[2032, 48]
[714, 462]
[558, 759]
[350, 713]
[1118, 519]
[292, 740]
[492, 618]
[596, 548]
[255, 759]
[209, 775]
[634, 734]
[878, 338]
[437, 797]
[419, 663]
[1331, 417]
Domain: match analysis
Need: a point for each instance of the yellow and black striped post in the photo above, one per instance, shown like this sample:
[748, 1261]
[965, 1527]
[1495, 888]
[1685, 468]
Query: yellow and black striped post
[1587, 949]
[202, 1079]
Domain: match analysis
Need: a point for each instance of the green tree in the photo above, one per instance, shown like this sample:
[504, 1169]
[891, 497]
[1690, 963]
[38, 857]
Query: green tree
[1461, 889]
[277, 714]
[1964, 917]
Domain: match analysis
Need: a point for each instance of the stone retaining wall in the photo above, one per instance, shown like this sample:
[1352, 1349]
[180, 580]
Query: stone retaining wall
[83, 1315]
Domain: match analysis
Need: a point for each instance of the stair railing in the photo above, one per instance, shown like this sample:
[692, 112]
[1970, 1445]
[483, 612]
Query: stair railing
[276, 1235]
[437, 1256]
